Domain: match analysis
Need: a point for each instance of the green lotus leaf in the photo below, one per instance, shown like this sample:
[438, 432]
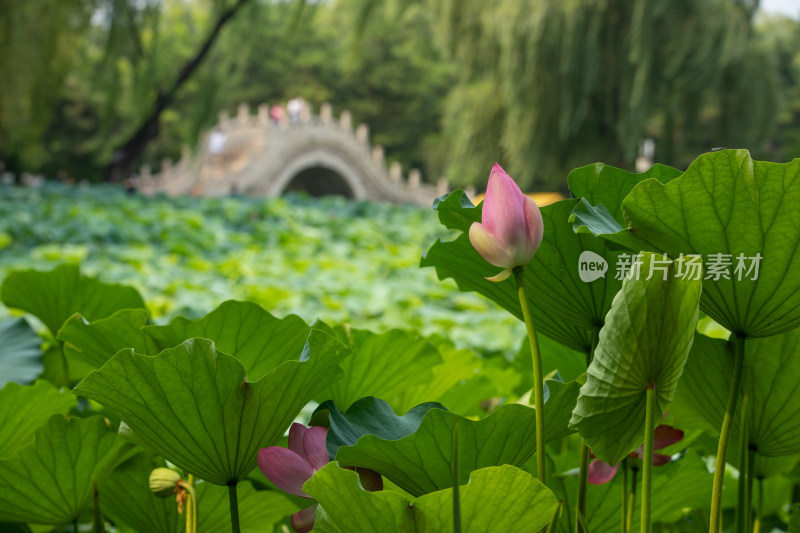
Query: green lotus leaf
[193, 405]
[20, 352]
[96, 342]
[725, 203]
[51, 481]
[369, 416]
[254, 336]
[386, 365]
[420, 463]
[771, 374]
[243, 329]
[501, 498]
[54, 296]
[644, 344]
[23, 409]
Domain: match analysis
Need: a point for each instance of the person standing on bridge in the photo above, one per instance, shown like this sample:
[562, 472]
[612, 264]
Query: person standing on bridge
[295, 108]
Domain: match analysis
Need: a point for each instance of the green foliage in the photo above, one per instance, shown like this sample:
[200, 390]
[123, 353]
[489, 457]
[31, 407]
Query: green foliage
[220, 411]
[643, 345]
[368, 416]
[51, 481]
[53, 296]
[128, 500]
[770, 365]
[421, 462]
[20, 352]
[289, 255]
[725, 203]
[24, 409]
[500, 497]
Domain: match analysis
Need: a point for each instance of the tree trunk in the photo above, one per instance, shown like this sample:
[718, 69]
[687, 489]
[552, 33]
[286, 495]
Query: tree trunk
[126, 155]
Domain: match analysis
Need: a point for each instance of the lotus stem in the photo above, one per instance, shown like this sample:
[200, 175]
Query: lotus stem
[553, 525]
[234, 507]
[715, 522]
[456, 495]
[631, 502]
[624, 468]
[583, 476]
[538, 384]
[647, 460]
[741, 500]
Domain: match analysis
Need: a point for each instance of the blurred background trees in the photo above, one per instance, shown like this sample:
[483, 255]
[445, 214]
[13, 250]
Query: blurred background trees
[448, 86]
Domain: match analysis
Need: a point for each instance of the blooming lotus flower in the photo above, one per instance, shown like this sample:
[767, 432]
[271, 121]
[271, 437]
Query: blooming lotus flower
[511, 227]
[290, 468]
[601, 472]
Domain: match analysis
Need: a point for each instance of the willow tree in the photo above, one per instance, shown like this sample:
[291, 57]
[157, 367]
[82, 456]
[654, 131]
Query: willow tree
[547, 85]
[37, 40]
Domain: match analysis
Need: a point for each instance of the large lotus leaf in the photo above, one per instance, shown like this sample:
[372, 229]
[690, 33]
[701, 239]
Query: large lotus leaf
[603, 184]
[51, 481]
[702, 392]
[725, 203]
[54, 296]
[369, 416]
[126, 497]
[421, 462]
[193, 405]
[96, 342]
[565, 307]
[771, 374]
[644, 344]
[20, 352]
[385, 365]
[501, 498]
[243, 329]
[254, 336]
[23, 409]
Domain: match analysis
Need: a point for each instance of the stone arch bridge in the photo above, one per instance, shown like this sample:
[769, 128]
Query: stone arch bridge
[255, 156]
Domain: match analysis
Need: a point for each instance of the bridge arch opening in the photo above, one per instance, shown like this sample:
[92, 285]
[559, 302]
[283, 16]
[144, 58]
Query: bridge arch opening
[319, 181]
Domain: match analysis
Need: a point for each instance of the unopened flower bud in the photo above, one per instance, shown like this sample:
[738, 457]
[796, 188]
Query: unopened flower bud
[163, 482]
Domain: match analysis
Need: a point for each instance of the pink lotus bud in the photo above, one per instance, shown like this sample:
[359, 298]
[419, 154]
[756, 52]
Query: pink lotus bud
[511, 228]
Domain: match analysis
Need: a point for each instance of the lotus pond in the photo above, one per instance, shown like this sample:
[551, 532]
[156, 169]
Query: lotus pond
[290, 364]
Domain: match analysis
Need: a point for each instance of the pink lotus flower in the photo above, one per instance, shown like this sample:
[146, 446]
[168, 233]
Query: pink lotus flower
[601, 472]
[290, 468]
[511, 228]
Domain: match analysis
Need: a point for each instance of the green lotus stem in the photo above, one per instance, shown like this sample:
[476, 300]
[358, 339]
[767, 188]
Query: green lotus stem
[751, 464]
[624, 468]
[234, 507]
[583, 476]
[760, 507]
[741, 499]
[191, 506]
[647, 459]
[715, 522]
[553, 525]
[538, 384]
[631, 502]
[456, 496]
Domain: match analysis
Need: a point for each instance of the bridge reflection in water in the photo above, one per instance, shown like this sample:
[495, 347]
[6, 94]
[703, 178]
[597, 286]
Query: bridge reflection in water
[252, 155]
